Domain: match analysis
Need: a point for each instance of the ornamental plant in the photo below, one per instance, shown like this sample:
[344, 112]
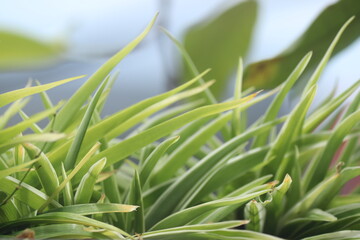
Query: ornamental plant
[168, 168]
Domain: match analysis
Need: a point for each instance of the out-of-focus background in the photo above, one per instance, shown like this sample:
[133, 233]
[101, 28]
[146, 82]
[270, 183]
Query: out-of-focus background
[81, 35]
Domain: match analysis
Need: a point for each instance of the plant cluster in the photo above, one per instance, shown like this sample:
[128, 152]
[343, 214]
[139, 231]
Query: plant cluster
[196, 170]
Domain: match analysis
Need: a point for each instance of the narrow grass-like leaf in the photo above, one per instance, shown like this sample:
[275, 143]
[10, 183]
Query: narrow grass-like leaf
[134, 143]
[236, 127]
[34, 127]
[171, 197]
[12, 96]
[222, 213]
[307, 202]
[78, 99]
[150, 162]
[94, 208]
[274, 108]
[68, 196]
[18, 167]
[233, 235]
[169, 232]
[318, 168]
[341, 235]
[73, 152]
[44, 169]
[26, 193]
[71, 175]
[154, 108]
[99, 130]
[84, 191]
[66, 230]
[208, 96]
[178, 158]
[185, 216]
[135, 197]
[320, 114]
[11, 111]
[12, 131]
[45, 98]
[316, 75]
[288, 132]
[42, 137]
[59, 217]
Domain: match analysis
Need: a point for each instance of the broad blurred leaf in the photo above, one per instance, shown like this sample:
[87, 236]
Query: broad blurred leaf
[271, 72]
[218, 42]
[19, 51]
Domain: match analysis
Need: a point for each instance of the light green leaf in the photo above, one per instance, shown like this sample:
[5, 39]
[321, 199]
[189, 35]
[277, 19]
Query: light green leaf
[193, 228]
[318, 168]
[12, 131]
[274, 108]
[185, 216]
[12, 96]
[86, 186]
[341, 235]
[17, 168]
[78, 99]
[94, 208]
[61, 217]
[74, 150]
[26, 194]
[134, 143]
[42, 137]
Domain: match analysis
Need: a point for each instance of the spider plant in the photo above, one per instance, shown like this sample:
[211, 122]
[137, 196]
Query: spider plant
[170, 167]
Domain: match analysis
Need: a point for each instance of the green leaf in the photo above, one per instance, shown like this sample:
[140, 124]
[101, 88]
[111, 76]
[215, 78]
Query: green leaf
[274, 108]
[185, 216]
[19, 51]
[183, 152]
[328, 108]
[134, 143]
[12, 110]
[135, 197]
[12, 96]
[309, 200]
[255, 212]
[26, 194]
[17, 168]
[341, 235]
[68, 230]
[318, 168]
[12, 131]
[147, 167]
[236, 119]
[232, 235]
[44, 169]
[169, 232]
[68, 193]
[289, 131]
[78, 99]
[271, 72]
[67, 180]
[42, 137]
[73, 152]
[86, 186]
[219, 41]
[59, 217]
[94, 208]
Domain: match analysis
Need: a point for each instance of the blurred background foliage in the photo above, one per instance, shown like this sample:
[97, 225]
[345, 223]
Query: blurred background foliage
[214, 38]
